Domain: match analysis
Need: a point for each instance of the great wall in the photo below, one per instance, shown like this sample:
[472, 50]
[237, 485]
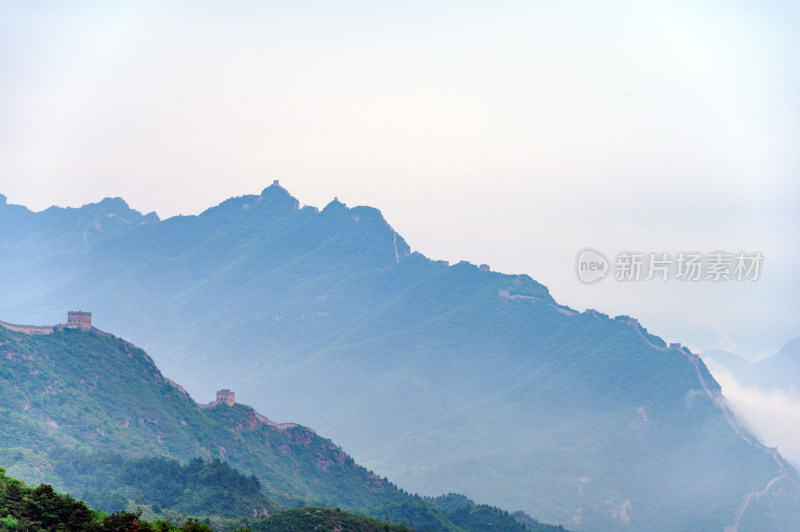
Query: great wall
[76, 319]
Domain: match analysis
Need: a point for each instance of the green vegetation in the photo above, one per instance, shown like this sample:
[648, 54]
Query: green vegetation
[109, 428]
[464, 513]
[212, 488]
[42, 508]
[90, 392]
[317, 518]
[417, 513]
[439, 377]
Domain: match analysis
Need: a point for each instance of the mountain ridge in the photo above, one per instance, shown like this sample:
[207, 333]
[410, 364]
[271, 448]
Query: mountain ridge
[491, 387]
[92, 401]
[779, 371]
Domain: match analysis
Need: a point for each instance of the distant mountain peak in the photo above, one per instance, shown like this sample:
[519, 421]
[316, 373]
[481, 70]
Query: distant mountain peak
[113, 202]
[3, 199]
[335, 206]
[275, 196]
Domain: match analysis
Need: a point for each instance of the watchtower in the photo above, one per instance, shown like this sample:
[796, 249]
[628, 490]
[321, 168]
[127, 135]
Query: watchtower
[225, 396]
[77, 319]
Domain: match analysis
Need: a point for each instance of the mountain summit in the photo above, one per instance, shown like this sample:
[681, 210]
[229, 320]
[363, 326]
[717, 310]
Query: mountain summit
[440, 377]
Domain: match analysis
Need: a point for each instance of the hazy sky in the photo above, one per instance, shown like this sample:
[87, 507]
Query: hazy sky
[511, 133]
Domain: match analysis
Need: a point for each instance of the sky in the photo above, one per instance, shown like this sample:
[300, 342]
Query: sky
[509, 133]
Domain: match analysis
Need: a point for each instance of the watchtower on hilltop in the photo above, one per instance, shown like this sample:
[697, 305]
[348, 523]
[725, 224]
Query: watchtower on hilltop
[77, 319]
[225, 396]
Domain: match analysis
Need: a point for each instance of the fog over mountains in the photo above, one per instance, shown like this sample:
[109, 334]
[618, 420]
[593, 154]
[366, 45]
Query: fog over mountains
[764, 393]
[442, 377]
[780, 371]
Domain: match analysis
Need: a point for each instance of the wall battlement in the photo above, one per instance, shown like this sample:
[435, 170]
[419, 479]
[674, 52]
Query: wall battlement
[28, 329]
[226, 396]
[78, 319]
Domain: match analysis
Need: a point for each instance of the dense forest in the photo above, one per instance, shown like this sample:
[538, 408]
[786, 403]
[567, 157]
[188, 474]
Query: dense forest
[41, 508]
[26, 507]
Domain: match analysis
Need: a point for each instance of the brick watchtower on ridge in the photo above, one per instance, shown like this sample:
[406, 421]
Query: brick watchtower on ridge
[79, 320]
[225, 396]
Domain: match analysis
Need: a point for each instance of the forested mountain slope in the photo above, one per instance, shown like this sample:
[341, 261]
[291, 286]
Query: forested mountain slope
[440, 377]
